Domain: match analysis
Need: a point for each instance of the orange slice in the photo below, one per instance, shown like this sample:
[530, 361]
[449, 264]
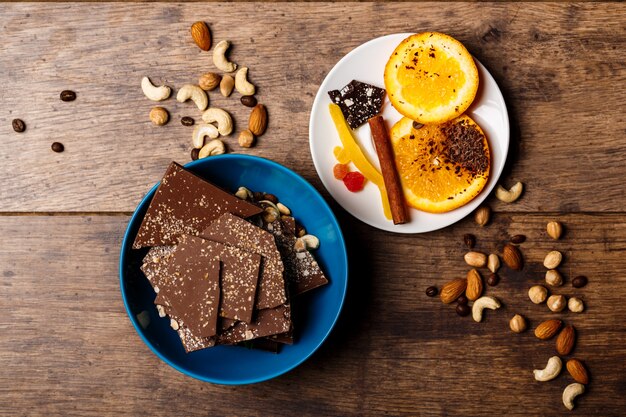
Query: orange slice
[441, 166]
[431, 78]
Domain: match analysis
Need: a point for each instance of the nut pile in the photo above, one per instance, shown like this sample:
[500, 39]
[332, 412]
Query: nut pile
[216, 122]
[471, 288]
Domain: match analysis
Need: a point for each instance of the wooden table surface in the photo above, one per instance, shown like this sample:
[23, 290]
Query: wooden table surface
[67, 346]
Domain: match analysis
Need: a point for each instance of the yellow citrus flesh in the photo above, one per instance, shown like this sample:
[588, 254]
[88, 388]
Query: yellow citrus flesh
[434, 178]
[431, 77]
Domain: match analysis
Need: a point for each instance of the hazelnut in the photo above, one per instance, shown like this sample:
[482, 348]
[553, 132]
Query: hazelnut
[246, 139]
[538, 294]
[517, 324]
[554, 230]
[553, 259]
[159, 116]
[556, 303]
[575, 305]
[482, 215]
[554, 278]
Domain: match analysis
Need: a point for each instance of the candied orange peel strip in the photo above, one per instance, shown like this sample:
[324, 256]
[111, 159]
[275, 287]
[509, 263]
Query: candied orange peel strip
[353, 152]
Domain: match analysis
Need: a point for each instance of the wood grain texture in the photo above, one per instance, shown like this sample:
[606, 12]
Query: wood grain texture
[560, 67]
[68, 348]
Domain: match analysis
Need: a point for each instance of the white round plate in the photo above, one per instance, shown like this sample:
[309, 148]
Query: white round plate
[366, 63]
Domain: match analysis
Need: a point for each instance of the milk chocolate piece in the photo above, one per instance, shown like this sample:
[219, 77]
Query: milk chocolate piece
[185, 204]
[191, 342]
[153, 264]
[235, 231]
[358, 102]
[268, 322]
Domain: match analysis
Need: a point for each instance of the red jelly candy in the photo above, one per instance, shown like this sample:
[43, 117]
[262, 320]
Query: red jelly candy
[340, 171]
[354, 181]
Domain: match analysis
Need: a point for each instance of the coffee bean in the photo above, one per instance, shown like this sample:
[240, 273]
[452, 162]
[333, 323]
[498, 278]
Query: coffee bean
[470, 240]
[57, 147]
[270, 197]
[194, 154]
[517, 239]
[18, 125]
[248, 101]
[462, 300]
[432, 291]
[417, 125]
[579, 282]
[493, 280]
[463, 310]
[187, 121]
[68, 95]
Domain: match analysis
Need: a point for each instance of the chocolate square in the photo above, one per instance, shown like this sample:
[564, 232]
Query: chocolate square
[268, 322]
[154, 264]
[185, 204]
[358, 102]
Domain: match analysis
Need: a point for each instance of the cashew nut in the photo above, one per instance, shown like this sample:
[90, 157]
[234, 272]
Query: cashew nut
[486, 301]
[153, 92]
[284, 210]
[221, 118]
[219, 58]
[245, 87]
[509, 196]
[310, 242]
[551, 371]
[214, 147]
[570, 392]
[201, 131]
[195, 93]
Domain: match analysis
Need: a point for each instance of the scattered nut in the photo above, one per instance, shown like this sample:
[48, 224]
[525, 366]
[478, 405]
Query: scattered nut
[271, 214]
[474, 285]
[570, 393]
[565, 340]
[159, 116]
[18, 125]
[538, 294]
[551, 371]
[221, 118]
[547, 329]
[511, 195]
[201, 35]
[482, 215]
[575, 305]
[578, 371]
[195, 93]
[187, 121]
[214, 147]
[248, 101]
[283, 209]
[579, 282]
[154, 93]
[463, 310]
[554, 278]
[209, 81]
[226, 85]
[452, 290]
[258, 120]
[299, 246]
[486, 301]
[57, 147]
[475, 259]
[554, 230]
[512, 257]
[219, 57]
[470, 240]
[517, 324]
[67, 95]
[242, 85]
[200, 132]
[244, 194]
[174, 324]
[493, 279]
[518, 239]
[553, 259]
[310, 242]
[144, 319]
[556, 303]
[432, 291]
[161, 310]
[300, 230]
[270, 197]
[246, 139]
[493, 263]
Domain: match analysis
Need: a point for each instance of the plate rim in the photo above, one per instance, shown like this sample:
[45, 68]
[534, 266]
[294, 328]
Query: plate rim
[126, 246]
[363, 219]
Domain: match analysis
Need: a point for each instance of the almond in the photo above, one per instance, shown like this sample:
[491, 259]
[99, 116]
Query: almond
[201, 35]
[548, 329]
[474, 285]
[258, 120]
[512, 257]
[453, 290]
[578, 371]
[565, 340]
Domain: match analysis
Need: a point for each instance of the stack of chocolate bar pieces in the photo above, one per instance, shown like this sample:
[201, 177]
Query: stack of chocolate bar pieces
[221, 271]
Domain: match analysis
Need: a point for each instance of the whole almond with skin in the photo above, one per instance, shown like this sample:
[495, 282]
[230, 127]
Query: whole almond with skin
[452, 290]
[512, 257]
[548, 329]
[578, 371]
[258, 120]
[474, 285]
[209, 81]
[475, 259]
[201, 35]
[565, 340]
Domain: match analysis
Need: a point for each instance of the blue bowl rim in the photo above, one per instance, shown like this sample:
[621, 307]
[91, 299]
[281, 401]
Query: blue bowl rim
[125, 247]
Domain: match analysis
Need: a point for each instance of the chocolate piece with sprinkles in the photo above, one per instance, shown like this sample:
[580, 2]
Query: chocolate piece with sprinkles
[358, 102]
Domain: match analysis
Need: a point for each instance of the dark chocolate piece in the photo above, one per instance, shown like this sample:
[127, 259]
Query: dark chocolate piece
[185, 204]
[358, 102]
[268, 322]
[235, 231]
[261, 344]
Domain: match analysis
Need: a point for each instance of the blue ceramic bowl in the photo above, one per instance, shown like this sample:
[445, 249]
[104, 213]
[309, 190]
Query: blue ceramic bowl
[315, 313]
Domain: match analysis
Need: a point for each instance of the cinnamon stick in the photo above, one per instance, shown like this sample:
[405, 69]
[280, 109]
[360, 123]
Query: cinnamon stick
[399, 212]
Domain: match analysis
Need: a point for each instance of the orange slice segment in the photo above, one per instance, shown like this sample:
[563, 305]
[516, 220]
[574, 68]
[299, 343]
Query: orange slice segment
[431, 77]
[441, 166]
